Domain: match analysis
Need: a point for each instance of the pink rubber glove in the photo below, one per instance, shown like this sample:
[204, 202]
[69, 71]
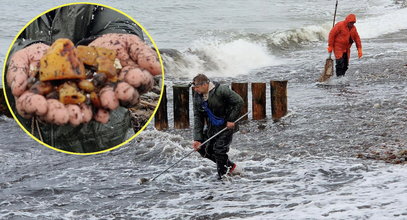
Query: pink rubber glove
[329, 49]
[360, 54]
[131, 51]
[24, 64]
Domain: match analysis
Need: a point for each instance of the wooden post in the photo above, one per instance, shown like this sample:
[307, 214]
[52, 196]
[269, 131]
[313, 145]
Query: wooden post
[259, 100]
[278, 90]
[161, 116]
[241, 89]
[181, 106]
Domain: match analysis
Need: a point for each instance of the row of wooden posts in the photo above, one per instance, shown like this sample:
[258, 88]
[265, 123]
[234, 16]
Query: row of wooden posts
[278, 96]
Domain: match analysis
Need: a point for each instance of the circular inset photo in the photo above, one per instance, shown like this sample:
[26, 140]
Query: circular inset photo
[83, 78]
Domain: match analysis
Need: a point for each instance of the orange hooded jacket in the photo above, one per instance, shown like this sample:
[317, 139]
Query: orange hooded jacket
[341, 38]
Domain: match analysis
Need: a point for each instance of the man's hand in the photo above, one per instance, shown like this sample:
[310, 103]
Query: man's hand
[131, 51]
[139, 62]
[196, 145]
[230, 125]
[23, 65]
[360, 54]
[329, 49]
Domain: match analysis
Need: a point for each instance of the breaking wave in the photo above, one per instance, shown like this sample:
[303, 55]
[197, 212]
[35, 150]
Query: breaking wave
[384, 24]
[230, 54]
[220, 58]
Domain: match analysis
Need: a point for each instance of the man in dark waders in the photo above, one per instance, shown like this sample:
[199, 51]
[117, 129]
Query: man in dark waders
[341, 38]
[215, 106]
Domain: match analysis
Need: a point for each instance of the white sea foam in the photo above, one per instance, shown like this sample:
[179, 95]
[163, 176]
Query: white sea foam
[316, 189]
[384, 24]
[392, 21]
[228, 58]
[312, 33]
[223, 59]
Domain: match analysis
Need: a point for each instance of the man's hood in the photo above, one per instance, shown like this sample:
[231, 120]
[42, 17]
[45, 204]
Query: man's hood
[350, 18]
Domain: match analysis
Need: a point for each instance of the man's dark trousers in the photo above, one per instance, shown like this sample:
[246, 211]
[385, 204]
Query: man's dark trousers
[217, 148]
[342, 65]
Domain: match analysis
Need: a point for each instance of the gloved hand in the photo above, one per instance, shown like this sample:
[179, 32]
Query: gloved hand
[139, 63]
[131, 51]
[329, 49]
[360, 54]
[23, 65]
[196, 145]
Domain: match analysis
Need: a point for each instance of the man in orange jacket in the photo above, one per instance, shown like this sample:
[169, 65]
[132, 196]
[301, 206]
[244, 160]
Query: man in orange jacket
[341, 38]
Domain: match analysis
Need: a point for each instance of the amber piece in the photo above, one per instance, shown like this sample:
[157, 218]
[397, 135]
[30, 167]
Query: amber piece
[42, 88]
[106, 66]
[104, 52]
[61, 62]
[87, 54]
[69, 94]
[94, 98]
[101, 58]
[67, 84]
[86, 86]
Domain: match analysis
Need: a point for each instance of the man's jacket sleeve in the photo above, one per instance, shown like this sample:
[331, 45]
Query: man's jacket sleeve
[199, 119]
[233, 102]
[332, 36]
[356, 38]
[109, 21]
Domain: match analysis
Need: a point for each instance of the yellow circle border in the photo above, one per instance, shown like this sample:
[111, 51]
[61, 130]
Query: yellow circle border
[98, 152]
